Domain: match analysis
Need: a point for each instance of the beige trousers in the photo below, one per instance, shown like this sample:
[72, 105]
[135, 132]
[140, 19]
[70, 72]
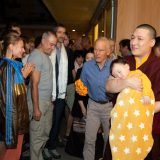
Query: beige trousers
[39, 131]
[96, 114]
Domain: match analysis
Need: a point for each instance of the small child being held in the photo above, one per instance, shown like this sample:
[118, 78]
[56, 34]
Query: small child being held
[132, 116]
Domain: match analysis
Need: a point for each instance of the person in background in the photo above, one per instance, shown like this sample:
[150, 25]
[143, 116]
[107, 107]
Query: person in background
[78, 63]
[77, 44]
[29, 46]
[89, 56]
[75, 141]
[66, 40]
[156, 47]
[112, 48]
[124, 47]
[86, 45]
[14, 118]
[71, 44]
[37, 41]
[80, 106]
[70, 93]
[13, 26]
[1, 42]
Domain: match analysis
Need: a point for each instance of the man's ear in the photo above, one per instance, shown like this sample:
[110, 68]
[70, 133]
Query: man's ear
[153, 41]
[10, 47]
[42, 41]
[108, 51]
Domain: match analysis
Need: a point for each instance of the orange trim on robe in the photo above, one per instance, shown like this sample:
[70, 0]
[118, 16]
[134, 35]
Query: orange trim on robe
[140, 62]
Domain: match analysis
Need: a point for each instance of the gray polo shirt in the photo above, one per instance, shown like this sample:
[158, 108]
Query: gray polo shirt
[44, 66]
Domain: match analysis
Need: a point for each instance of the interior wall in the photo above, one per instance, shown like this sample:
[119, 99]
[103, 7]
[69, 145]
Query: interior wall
[131, 13]
[74, 35]
[108, 22]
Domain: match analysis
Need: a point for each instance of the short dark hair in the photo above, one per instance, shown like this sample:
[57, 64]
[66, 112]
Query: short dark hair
[150, 28]
[78, 53]
[37, 41]
[124, 43]
[90, 50]
[117, 61]
[57, 26]
[12, 24]
[86, 39]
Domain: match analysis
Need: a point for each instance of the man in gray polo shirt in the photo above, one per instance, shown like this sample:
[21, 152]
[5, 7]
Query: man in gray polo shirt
[39, 95]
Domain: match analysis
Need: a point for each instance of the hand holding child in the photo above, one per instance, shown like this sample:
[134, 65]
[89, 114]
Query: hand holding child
[146, 99]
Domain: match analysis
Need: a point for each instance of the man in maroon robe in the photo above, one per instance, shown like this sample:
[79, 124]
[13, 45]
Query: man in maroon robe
[142, 41]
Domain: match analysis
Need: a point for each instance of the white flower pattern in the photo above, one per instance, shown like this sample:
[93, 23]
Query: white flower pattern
[131, 126]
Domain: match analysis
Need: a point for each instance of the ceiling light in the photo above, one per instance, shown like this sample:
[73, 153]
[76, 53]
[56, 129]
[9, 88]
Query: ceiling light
[102, 30]
[73, 30]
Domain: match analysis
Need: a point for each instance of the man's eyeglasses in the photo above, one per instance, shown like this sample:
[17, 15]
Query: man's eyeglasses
[99, 50]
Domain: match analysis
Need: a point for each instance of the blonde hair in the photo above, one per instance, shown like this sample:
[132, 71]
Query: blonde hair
[11, 37]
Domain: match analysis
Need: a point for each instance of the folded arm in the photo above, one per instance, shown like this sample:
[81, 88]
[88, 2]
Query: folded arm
[114, 85]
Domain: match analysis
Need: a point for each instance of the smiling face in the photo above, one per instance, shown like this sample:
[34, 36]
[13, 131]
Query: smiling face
[141, 42]
[17, 49]
[79, 60]
[101, 50]
[120, 71]
[61, 32]
[89, 56]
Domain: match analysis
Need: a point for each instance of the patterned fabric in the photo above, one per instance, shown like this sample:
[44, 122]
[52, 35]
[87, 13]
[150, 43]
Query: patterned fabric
[152, 69]
[79, 125]
[14, 118]
[131, 126]
[18, 78]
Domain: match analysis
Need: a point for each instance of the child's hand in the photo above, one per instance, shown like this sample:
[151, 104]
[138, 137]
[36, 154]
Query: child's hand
[146, 99]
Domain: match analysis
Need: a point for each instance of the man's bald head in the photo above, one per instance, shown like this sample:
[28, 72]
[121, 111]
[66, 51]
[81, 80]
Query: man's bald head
[150, 28]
